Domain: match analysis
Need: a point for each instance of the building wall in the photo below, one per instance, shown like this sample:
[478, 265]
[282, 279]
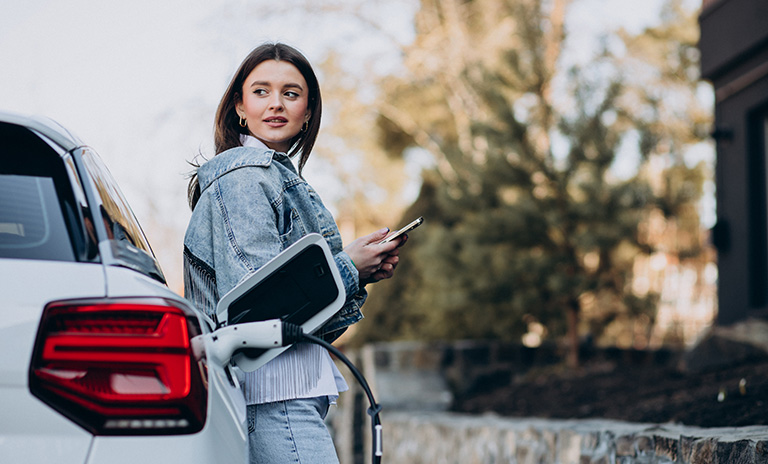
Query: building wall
[734, 48]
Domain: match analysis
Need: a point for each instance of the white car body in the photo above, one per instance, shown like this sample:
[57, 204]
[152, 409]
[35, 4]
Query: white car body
[31, 430]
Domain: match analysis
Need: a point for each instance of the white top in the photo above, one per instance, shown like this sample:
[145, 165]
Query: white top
[303, 371]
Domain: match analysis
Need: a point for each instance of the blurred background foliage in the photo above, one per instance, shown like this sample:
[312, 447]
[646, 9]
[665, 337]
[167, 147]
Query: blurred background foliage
[566, 183]
[552, 185]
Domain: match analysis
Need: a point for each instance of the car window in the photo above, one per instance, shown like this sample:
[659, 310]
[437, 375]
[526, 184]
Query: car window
[39, 216]
[121, 224]
[31, 223]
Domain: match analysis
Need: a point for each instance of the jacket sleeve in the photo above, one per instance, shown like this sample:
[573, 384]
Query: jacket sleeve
[351, 312]
[349, 273]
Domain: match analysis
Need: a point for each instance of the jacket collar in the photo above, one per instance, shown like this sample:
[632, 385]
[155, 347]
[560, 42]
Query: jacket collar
[232, 159]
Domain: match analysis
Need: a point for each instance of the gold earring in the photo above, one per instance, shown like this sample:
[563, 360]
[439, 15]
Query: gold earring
[242, 122]
[305, 127]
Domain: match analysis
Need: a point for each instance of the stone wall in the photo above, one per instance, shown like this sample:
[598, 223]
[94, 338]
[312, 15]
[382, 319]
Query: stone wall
[445, 438]
[416, 384]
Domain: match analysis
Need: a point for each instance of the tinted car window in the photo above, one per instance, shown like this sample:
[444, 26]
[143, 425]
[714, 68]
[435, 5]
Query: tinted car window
[118, 218]
[39, 216]
[31, 223]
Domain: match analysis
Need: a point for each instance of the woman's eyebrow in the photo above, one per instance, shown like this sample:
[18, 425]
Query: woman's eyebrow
[293, 85]
[269, 84]
[262, 83]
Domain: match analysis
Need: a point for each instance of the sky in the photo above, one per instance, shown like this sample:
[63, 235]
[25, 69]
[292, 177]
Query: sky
[139, 81]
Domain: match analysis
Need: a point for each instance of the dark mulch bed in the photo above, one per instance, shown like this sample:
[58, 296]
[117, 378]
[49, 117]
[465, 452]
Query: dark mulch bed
[732, 396]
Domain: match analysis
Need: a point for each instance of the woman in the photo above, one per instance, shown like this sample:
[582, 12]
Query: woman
[248, 204]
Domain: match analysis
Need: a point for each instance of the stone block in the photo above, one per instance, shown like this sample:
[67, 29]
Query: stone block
[735, 452]
[625, 446]
[590, 442]
[601, 460]
[685, 448]
[606, 448]
[549, 445]
[701, 451]
[666, 447]
[761, 452]
[524, 453]
[568, 446]
[507, 445]
[625, 460]
[645, 445]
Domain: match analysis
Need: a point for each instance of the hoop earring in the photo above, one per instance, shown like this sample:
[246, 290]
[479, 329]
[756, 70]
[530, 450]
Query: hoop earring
[305, 126]
[243, 122]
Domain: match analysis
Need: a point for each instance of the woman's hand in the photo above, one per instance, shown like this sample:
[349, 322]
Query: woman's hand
[375, 262]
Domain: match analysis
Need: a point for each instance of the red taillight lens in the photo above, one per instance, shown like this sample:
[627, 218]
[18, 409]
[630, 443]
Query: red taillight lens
[121, 367]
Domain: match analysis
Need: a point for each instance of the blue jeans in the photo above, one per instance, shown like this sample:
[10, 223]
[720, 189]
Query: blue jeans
[291, 431]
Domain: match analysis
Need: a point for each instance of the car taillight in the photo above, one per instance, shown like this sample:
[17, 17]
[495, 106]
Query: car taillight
[120, 367]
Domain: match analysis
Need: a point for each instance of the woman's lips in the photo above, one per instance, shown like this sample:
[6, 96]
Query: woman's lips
[276, 121]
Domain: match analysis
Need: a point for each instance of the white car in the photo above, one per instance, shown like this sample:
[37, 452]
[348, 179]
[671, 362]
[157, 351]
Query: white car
[99, 361]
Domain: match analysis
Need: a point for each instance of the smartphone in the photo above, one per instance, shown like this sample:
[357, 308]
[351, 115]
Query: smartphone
[402, 231]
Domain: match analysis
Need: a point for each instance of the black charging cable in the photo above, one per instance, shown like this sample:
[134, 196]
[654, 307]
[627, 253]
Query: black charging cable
[293, 333]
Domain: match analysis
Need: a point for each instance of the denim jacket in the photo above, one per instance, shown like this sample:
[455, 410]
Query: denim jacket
[253, 205]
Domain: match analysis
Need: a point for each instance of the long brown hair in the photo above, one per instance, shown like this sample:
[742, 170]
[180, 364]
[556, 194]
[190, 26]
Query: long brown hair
[227, 129]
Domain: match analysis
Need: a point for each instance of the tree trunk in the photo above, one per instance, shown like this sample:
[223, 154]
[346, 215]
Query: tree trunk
[572, 313]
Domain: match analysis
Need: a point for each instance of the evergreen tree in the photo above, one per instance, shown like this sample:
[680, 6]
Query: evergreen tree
[526, 218]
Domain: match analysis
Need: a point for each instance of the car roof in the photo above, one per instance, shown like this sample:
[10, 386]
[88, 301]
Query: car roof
[46, 127]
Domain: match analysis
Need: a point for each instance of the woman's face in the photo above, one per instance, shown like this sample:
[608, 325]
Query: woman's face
[274, 103]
